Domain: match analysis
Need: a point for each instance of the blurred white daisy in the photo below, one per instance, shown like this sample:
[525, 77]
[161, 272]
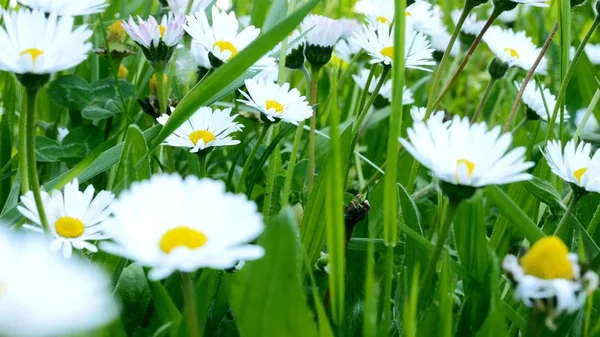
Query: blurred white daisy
[26, 50]
[205, 129]
[549, 279]
[574, 165]
[276, 102]
[180, 6]
[380, 11]
[378, 42]
[365, 7]
[465, 154]
[593, 53]
[514, 48]
[221, 39]
[43, 295]
[196, 224]
[223, 5]
[440, 37]
[512, 15]
[343, 52]
[149, 33]
[422, 17]
[386, 89]
[62, 133]
[348, 27]
[75, 218]
[534, 100]
[591, 126]
[66, 7]
[200, 55]
[471, 26]
[437, 117]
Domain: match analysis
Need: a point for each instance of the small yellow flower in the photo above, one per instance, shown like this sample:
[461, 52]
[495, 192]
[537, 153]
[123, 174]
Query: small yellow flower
[153, 85]
[123, 72]
[116, 32]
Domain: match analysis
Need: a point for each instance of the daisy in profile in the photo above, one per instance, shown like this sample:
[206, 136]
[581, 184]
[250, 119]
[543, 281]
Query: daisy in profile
[76, 218]
[25, 51]
[574, 165]
[548, 278]
[514, 48]
[534, 99]
[221, 39]
[43, 295]
[158, 41]
[294, 52]
[378, 42]
[66, 7]
[180, 6]
[385, 93]
[276, 102]
[197, 225]
[465, 154]
[321, 35]
[205, 129]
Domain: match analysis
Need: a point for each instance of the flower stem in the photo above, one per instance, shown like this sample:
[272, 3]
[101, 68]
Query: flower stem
[562, 225]
[287, 187]
[530, 73]
[363, 113]
[363, 96]
[23, 150]
[484, 99]
[161, 88]
[189, 295]
[563, 87]
[203, 156]
[314, 87]
[30, 162]
[439, 245]
[464, 62]
[242, 182]
[440, 69]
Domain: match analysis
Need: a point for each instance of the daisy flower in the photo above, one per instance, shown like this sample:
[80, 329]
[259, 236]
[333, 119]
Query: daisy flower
[574, 165]
[200, 56]
[378, 42]
[471, 26]
[158, 41]
[221, 39]
[321, 35]
[534, 100]
[593, 53]
[25, 50]
[512, 15]
[75, 217]
[514, 48]
[465, 154]
[294, 51]
[343, 52]
[196, 225]
[276, 102]
[549, 279]
[205, 129]
[180, 6]
[44, 295]
[380, 11]
[348, 27]
[437, 117]
[66, 7]
[422, 17]
[386, 89]
[591, 126]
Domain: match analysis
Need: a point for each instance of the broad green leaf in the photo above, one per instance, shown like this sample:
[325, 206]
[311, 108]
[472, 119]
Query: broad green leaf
[47, 150]
[99, 111]
[107, 88]
[81, 141]
[134, 164]
[545, 193]
[262, 283]
[70, 92]
[166, 309]
[134, 296]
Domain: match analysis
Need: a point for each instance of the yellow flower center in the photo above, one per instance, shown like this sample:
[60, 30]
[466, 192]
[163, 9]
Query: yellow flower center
[33, 52]
[388, 51]
[548, 259]
[123, 72]
[225, 45]
[205, 135]
[382, 19]
[162, 30]
[182, 237]
[408, 13]
[469, 165]
[512, 52]
[69, 227]
[116, 32]
[579, 173]
[271, 104]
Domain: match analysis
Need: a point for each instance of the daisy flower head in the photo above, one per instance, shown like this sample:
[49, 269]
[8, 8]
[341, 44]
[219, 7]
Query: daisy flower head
[437, 117]
[380, 11]
[196, 225]
[512, 15]
[206, 129]
[181, 6]
[384, 97]
[75, 218]
[276, 102]
[158, 41]
[62, 297]
[591, 126]
[574, 164]
[549, 279]
[466, 155]
[66, 7]
[422, 17]
[294, 52]
[26, 51]
[514, 48]
[348, 27]
[321, 35]
[471, 26]
[378, 42]
[534, 97]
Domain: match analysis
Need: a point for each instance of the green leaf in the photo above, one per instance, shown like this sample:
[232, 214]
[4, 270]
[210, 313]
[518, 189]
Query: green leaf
[134, 164]
[5, 156]
[267, 298]
[545, 193]
[99, 111]
[495, 324]
[414, 254]
[70, 92]
[47, 150]
[108, 88]
[208, 91]
[81, 141]
[166, 309]
[134, 295]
